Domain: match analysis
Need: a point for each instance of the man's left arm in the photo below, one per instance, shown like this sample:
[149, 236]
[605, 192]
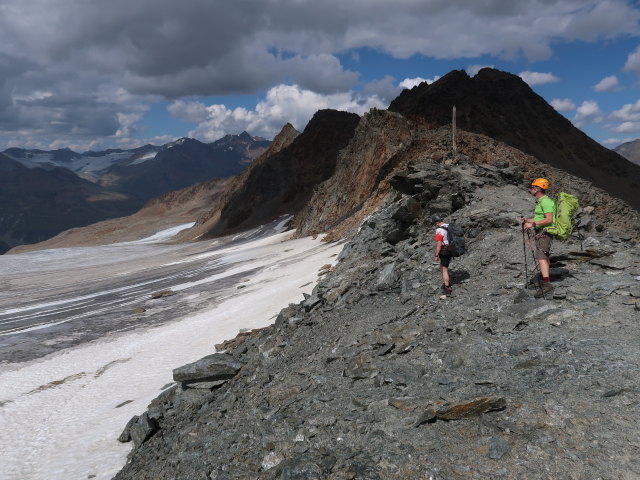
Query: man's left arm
[546, 221]
[438, 248]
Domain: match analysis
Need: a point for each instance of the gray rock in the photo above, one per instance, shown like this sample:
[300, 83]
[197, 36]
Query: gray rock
[498, 447]
[218, 366]
[617, 261]
[125, 436]
[142, 429]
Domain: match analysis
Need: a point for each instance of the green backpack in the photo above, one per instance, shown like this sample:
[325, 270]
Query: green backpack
[566, 205]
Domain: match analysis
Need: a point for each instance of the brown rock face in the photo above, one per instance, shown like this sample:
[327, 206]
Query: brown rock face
[502, 106]
[283, 182]
[361, 166]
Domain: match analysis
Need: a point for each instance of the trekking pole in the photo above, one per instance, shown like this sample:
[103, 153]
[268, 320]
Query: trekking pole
[535, 263]
[526, 270]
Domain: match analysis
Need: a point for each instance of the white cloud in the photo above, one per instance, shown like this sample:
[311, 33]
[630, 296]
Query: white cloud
[563, 104]
[282, 104]
[384, 89]
[588, 112]
[628, 113]
[627, 127]
[607, 84]
[613, 141]
[193, 112]
[409, 83]
[472, 70]
[538, 78]
[633, 62]
[616, 141]
[148, 49]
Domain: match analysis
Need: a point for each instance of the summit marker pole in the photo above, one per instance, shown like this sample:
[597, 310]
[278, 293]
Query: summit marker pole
[453, 131]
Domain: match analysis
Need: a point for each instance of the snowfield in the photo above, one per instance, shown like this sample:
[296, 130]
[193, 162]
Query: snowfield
[79, 363]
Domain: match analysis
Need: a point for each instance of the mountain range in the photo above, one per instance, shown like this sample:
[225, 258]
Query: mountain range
[46, 192]
[335, 173]
[377, 374]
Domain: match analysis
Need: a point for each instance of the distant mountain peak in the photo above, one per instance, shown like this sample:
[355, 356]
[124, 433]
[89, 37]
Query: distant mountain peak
[630, 151]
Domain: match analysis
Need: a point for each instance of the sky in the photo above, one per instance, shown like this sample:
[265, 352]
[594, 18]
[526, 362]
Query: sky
[91, 75]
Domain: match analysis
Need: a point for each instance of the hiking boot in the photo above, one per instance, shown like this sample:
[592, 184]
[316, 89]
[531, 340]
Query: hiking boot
[544, 289]
[446, 289]
[534, 281]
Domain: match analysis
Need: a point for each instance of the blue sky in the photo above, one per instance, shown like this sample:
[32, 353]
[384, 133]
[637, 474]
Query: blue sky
[87, 74]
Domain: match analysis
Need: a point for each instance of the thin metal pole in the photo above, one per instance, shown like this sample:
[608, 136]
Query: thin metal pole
[526, 270]
[453, 131]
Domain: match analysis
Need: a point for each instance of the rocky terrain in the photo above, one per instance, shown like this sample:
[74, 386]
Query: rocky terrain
[282, 182]
[502, 106]
[377, 375]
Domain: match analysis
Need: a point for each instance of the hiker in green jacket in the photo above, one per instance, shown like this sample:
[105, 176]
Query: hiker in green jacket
[543, 216]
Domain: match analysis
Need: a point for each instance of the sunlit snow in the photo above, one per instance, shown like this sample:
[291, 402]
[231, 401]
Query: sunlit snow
[60, 415]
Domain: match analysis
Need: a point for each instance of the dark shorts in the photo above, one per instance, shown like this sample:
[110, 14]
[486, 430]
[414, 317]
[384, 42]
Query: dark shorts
[542, 242]
[445, 260]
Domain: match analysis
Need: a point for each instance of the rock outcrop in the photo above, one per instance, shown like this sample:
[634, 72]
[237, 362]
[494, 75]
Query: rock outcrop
[376, 375]
[282, 182]
[385, 143]
[501, 105]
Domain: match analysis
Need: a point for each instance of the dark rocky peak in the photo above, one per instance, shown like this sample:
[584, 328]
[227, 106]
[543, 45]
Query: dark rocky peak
[286, 136]
[244, 143]
[15, 152]
[502, 106]
[281, 183]
[244, 136]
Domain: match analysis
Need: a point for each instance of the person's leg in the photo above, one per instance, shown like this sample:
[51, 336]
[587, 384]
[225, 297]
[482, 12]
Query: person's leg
[445, 276]
[544, 269]
[444, 269]
[541, 254]
[543, 247]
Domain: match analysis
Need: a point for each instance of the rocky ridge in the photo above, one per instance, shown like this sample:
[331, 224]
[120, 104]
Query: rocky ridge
[502, 106]
[376, 375]
[385, 143]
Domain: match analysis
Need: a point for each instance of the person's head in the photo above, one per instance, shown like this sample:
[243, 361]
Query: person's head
[539, 187]
[436, 220]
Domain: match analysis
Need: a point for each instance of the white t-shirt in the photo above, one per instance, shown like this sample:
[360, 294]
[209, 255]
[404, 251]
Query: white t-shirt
[442, 235]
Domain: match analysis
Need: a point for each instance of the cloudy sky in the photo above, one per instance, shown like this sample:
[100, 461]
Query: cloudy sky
[90, 74]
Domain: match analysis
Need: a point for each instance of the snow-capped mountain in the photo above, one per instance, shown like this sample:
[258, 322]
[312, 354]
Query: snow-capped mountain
[114, 182]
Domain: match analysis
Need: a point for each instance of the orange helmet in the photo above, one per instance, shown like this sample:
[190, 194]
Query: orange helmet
[543, 183]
